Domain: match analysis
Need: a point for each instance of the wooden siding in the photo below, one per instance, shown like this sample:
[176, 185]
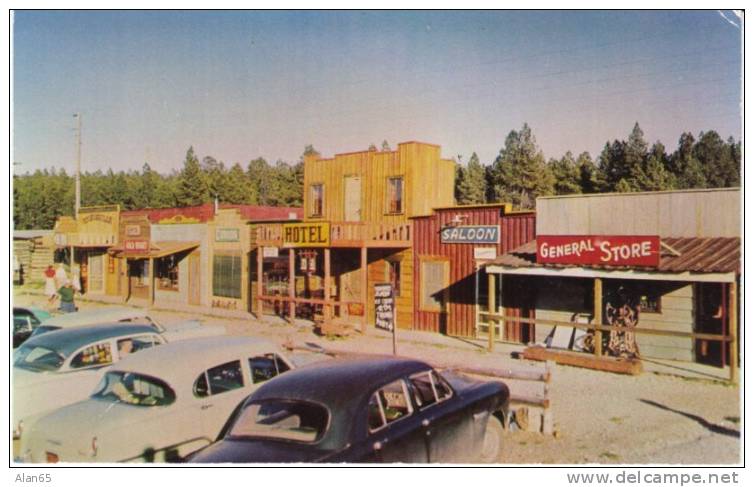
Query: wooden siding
[460, 319]
[428, 182]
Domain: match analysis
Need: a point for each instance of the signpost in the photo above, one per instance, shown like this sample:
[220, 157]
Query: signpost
[610, 250]
[384, 309]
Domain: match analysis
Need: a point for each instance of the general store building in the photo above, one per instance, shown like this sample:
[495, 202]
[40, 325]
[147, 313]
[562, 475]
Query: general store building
[673, 256]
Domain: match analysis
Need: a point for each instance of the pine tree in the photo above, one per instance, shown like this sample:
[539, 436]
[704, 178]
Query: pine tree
[687, 169]
[192, 189]
[519, 173]
[591, 179]
[471, 185]
[567, 175]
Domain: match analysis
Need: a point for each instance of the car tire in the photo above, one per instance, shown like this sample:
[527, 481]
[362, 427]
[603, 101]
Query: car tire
[492, 443]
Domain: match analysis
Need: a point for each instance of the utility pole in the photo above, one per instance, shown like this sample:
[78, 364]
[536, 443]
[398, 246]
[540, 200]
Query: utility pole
[78, 164]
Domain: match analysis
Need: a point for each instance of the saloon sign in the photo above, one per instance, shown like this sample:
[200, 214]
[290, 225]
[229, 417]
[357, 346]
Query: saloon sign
[471, 234]
[613, 250]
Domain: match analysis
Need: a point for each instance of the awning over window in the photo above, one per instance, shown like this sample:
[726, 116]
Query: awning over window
[156, 249]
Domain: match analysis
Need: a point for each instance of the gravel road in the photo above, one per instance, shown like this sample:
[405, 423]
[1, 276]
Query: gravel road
[599, 418]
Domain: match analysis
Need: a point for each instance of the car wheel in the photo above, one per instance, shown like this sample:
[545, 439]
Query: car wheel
[492, 442]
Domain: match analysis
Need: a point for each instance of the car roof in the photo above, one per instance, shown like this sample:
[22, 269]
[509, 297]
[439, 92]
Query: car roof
[181, 361]
[109, 314]
[67, 341]
[341, 379]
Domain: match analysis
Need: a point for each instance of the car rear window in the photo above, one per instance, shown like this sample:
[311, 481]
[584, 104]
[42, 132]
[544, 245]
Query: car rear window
[134, 389]
[298, 421]
[38, 359]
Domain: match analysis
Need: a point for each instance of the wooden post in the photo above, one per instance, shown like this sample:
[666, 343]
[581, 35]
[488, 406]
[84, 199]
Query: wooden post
[291, 284]
[260, 285]
[327, 311]
[597, 315]
[548, 426]
[151, 281]
[733, 330]
[364, 290]
[492, 308]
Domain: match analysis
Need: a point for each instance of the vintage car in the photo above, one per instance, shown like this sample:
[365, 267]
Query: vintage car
[62, 366]
[125, 314]
[159, 405]
[25, 321]
[365, 409]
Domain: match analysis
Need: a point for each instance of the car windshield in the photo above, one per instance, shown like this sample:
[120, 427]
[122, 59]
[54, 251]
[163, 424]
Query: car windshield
[38, 359]
[298, 421]
[43, 329]
[134, 389]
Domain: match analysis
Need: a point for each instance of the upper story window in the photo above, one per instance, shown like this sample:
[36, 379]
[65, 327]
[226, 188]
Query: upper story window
[317, 199]
[395, 195]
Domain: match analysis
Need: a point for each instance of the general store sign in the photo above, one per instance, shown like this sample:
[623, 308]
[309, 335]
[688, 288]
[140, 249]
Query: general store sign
[306, 234]
[471, 234]
[136, 245]
[614, 250]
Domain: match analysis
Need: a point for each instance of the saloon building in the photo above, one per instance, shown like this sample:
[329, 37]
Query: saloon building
[665, 263]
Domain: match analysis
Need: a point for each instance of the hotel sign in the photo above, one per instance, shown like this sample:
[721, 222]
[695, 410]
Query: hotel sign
[611, 250]
[306, 234]
[471, 234]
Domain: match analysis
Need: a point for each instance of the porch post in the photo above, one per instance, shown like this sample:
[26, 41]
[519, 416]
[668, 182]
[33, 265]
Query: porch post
[151, 281]
[327, 311]
[260, 267]
[733, 330]
[597, 316]
[364, 290]
[491, 308]
[291, 284]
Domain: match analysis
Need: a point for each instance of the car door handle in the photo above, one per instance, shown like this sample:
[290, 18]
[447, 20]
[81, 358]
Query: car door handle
[205, 406]
[425, 423]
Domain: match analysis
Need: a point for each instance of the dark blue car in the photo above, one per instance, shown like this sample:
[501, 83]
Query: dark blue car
[365, 409]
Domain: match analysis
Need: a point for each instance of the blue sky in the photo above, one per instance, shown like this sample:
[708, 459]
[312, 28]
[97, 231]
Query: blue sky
[238, 85]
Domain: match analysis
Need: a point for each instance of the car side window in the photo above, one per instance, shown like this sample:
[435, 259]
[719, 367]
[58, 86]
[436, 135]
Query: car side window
[225, 377]
[135, 343]
[428, 388]
[93, 355]
[389, 403]
[201, 388]
[266, 367]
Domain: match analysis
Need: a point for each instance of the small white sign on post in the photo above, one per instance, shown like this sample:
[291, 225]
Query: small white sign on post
[485, 253]
[269, 252]
[384, 309]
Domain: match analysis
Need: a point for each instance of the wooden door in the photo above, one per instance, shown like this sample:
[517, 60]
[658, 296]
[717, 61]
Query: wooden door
[352, 212]
[96, 276]
[195, 288]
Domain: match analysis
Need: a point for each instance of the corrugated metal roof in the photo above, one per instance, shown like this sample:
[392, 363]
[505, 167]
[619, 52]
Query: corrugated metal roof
[206, 212]
[29, 234]
[695, 255]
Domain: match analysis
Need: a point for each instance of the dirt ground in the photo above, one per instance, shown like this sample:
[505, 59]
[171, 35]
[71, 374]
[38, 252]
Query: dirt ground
[599, 418]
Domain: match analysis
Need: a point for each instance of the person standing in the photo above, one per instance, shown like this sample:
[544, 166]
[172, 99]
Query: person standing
[67, 303]
[50, 288]
[60, 276]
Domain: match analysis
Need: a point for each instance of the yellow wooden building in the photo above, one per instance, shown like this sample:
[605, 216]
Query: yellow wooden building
[356, 232]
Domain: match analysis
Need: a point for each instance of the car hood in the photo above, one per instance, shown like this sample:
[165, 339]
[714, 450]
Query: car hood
[258, 451]
[184, 330]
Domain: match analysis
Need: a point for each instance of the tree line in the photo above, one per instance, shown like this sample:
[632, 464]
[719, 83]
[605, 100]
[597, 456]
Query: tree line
[519, 174]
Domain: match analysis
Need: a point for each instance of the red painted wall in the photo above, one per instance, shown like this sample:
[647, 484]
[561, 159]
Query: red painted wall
[515, 230]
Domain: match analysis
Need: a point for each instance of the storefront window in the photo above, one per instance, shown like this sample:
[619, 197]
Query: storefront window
[434, 283]
[318, 199]
[226, 276]
[166, 270]
[650, 303]
[395, 195]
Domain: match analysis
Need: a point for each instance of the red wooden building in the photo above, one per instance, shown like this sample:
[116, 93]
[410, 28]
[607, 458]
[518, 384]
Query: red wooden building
[450, 247]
